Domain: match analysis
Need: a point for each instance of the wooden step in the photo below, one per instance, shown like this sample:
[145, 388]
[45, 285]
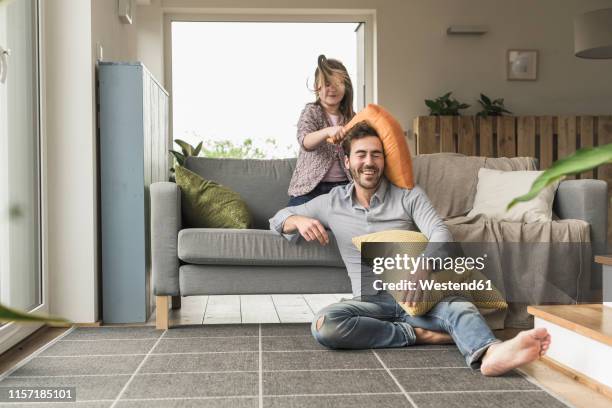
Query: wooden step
[604, 259]
[581, 345]
[592, 321]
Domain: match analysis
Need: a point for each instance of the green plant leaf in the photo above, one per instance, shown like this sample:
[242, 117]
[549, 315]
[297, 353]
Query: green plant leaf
[186, 147]
[491, 108]
[12, 315]
[197, 150]
[445, 106]
[584, 159]
[180, 158]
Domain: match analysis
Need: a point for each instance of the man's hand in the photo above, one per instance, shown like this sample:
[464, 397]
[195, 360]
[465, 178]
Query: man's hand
[309, 228]
[413, 297]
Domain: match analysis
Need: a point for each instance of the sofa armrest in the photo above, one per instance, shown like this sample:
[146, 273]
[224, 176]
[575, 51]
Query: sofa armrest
[585, 200]
[165, 226]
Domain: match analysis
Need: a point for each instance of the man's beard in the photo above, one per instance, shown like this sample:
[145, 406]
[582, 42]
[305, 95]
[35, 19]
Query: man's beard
[370, 184]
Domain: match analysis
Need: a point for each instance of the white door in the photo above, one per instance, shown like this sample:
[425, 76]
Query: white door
[21, 280]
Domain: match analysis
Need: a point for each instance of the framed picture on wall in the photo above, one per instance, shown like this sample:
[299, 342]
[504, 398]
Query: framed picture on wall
[522, 65]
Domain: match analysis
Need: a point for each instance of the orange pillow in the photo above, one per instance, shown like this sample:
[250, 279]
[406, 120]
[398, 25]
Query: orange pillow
[398, 164]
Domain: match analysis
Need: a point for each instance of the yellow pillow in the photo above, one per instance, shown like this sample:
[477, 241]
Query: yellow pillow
[413, 244]
[398, 163]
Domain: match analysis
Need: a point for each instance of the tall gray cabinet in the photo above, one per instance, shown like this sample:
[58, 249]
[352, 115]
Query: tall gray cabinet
[133, 148]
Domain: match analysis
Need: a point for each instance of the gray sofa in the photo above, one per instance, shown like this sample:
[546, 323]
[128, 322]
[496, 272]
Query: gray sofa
[197, 261]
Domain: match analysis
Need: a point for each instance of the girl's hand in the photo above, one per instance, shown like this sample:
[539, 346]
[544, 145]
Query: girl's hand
[335, 134]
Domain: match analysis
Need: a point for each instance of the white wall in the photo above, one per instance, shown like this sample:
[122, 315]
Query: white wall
[70, 158]
[118, 40]
[149, 38]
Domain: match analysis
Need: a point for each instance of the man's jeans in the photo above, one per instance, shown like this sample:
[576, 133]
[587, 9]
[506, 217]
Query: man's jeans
[376, 321]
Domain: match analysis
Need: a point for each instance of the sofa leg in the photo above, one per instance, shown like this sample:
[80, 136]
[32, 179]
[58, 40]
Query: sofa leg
[161, 312]
[176, 302]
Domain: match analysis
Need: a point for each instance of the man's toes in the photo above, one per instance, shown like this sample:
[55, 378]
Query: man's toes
[540, 333]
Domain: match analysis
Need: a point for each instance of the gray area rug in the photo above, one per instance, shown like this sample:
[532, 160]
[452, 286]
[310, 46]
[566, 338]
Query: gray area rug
[260, 365]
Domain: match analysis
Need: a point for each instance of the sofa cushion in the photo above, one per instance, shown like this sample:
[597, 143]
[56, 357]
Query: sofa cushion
[450, 179]
[207, 204]
[262, 184]
[204, 246]
[497, 188]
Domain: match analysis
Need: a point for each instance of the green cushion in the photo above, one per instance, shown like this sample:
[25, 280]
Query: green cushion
[206, 204]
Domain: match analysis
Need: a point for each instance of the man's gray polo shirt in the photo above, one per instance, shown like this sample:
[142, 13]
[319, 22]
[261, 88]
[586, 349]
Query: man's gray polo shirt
[391, 208]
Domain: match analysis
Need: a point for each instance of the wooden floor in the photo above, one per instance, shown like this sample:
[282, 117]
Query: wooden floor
[250, 308]
[301, 308]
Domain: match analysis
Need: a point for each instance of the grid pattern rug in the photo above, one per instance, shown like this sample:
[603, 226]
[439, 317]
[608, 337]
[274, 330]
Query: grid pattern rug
[260, 365]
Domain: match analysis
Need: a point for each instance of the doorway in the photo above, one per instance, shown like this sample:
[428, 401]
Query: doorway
[21, 280]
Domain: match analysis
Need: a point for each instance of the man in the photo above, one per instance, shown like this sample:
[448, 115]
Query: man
[373, 318]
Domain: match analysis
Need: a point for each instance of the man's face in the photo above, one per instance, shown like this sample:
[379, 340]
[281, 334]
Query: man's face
[366, 162]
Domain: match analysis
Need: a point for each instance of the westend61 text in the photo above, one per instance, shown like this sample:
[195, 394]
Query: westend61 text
[426, 284]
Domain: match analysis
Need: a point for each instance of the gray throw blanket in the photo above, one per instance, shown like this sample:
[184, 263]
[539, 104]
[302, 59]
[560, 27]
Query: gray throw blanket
[530, 263]
[536, 263]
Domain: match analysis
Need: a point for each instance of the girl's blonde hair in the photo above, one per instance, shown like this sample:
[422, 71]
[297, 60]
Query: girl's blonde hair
[329, 70]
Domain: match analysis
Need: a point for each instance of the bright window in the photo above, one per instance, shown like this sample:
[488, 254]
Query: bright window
[240, 86]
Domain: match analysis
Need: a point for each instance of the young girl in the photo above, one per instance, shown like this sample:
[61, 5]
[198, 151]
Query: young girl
[320, 165]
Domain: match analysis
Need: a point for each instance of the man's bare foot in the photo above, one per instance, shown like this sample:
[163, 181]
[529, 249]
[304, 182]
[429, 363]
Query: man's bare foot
[432, 337]
[526, 347]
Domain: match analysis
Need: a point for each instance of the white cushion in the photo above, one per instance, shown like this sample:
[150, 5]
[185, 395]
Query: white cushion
[497, 188]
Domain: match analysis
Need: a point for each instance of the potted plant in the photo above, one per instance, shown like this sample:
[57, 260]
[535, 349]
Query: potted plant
[491, 107]
[445, 106]
[186, 151]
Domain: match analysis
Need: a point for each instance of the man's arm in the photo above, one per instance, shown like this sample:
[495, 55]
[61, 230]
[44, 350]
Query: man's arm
[308, 219]
[441, 242]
